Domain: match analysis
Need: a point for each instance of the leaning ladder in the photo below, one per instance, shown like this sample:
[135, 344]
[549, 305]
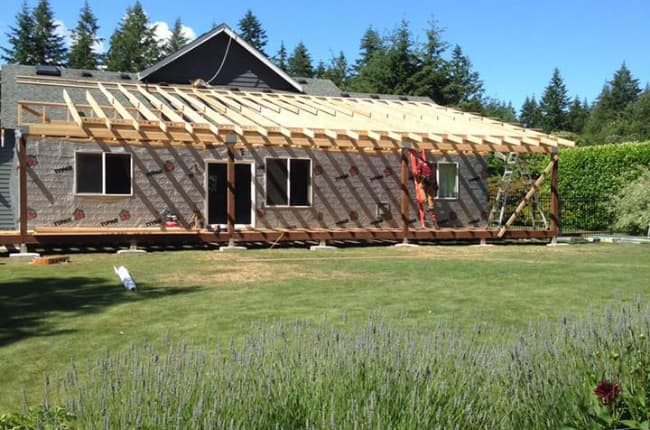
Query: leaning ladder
[503, 192]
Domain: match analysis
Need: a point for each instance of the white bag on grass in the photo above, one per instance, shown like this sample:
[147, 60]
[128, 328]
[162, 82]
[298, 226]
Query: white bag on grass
[125, 277]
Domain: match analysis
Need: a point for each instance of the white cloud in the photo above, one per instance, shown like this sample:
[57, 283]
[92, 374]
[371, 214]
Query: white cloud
[163, 32]
[62, 30]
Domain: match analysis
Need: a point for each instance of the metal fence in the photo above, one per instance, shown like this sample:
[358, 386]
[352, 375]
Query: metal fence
[577, 215]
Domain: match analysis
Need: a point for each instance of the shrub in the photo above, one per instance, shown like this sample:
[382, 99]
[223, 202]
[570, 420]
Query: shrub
[590, 176]
[296, 375]
[632, 205]
[38, 419]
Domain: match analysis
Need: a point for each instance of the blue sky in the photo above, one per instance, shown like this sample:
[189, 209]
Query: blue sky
[514, 45]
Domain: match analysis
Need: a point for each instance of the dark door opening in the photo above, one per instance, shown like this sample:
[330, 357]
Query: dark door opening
[218, 194]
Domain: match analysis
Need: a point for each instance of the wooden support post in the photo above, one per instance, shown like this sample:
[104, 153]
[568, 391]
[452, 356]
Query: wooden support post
[230, 205]
[404, 210]
[555, 196]
[22, 161]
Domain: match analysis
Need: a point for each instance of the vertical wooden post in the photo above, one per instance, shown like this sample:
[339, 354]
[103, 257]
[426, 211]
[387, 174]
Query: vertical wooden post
[404, 209]
[555, 196]
[230, 205]
[22, 161]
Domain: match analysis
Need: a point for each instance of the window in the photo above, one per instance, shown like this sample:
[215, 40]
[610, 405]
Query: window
[447, 180]
[103, 173]
[288, 182]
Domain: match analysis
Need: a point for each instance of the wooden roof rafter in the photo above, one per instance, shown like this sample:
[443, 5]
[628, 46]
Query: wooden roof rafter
[183, 113]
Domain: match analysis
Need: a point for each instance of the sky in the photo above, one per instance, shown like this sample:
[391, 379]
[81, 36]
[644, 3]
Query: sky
[514, 45]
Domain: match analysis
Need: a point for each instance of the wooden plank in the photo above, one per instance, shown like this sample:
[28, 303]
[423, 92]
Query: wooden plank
[99, 112]
[404, 202]
[141, 107]
[555, 196]
[72, 109]
[119, 107]
[162, 107]
[533, 189]
[22, 161]
[230, 202]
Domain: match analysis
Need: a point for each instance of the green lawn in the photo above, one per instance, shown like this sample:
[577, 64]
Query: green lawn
[51, 316]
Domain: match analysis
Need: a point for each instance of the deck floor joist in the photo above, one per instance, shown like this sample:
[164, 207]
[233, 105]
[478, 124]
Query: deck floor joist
[81, 236]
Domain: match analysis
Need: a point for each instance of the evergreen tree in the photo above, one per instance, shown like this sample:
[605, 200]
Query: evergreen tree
[321, 70]
[250, 29]
[84, 38]
[177, 39]
[48, 46]
[465, 88]
[623, 91]
[612, 117]
[21, 39]
[299, 63]
[371, 44]
[530, 115]
[431, 76]
[338, 71]
[401, 62]
[640, 121]
[500, 110]
[554, 104]
[133, 44]
[281, 57]
[577, 115]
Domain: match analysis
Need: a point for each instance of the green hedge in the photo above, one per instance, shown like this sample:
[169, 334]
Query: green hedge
[590, 176]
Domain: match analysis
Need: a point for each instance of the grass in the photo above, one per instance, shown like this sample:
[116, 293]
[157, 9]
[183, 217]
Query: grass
[51, 316]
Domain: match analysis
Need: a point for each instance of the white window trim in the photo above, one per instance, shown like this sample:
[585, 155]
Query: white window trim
[438, 180]
[253, 196]
[103, 173]
[310, 191]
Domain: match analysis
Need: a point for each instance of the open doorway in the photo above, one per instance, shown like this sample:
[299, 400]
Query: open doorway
[217, 194]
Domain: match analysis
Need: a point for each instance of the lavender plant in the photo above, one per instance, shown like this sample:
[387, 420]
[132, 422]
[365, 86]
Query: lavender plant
[343, 376]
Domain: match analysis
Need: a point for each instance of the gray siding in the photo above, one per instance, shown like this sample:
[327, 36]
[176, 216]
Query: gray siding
[345, 188]
[7, 168]
[240, 69]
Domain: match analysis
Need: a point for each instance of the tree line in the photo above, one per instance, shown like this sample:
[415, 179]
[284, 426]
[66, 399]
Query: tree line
[391, 63]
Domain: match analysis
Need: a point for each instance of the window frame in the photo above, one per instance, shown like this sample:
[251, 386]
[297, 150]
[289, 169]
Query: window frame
[103, 173]
[309, 189]
[457, 186]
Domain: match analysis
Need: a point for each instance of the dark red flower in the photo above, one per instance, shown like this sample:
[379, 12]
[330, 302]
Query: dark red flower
[607, 391]
[169, 166]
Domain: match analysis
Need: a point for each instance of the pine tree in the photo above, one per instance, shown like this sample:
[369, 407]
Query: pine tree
[623, 91]
[84, 38]
[338, 71]
[554, 104]
[577, 115]
[20, 39]
[49, 47]
[612, 116]
[320, 70]
[371, 44]
[133, 44]
[281, 57]
[530, 115]
[431, 76]
[250, 29]
[177, 39]
[500, 110]
[465, 88]
[402, 61]
[299, 63]
[371, 68]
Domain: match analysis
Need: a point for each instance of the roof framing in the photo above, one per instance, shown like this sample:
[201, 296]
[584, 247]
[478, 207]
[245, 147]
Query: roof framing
[138, 112]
